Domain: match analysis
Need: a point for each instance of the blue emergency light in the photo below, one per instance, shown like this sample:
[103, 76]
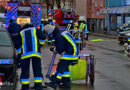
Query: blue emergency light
[11, 13]
[66, 21]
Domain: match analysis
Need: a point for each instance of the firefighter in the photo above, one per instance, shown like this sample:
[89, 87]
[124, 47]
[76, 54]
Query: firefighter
[82, 25]
[76, 25]
[64, 43]
[70, 25]
[13, 30]
[42, 24]
[50, 21]
[125, 27]
[31, 40]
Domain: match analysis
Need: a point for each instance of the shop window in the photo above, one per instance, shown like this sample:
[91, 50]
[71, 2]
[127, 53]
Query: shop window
[127, 18]
[113, 22]
[119, 24]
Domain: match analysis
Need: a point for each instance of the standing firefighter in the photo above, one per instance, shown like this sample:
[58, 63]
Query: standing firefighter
[31, 40]
[13, 30]
[64, 43]
[82, 25]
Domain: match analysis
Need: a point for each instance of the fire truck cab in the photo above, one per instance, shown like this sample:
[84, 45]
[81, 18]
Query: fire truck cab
[29, 12]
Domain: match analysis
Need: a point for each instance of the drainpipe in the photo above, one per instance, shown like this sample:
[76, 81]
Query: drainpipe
[108, 26]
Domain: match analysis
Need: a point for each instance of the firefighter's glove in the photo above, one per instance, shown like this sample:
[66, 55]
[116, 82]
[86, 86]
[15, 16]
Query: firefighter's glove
[53, 49]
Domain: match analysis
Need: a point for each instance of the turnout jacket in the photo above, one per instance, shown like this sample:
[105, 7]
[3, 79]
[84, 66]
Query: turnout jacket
[65, 43]
[31, 40]
[83, 26]
[13, 30]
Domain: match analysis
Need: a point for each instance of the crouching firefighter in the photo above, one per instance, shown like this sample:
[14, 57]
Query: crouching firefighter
[64, 43]
[31, 39]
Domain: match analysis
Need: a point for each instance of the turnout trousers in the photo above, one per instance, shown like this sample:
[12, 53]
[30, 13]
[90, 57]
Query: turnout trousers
[25, 73]
[62, 74]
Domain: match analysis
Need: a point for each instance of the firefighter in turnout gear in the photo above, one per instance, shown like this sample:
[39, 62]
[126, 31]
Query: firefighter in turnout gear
[64, 43]
[51, 22]
[70, 25]
[31, 40]
[13, 30]
[82, 25]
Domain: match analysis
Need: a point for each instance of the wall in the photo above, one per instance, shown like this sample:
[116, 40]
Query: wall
[81, 7]
[93, 11]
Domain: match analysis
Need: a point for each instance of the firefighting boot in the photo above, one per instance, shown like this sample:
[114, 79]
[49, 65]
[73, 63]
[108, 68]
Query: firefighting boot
[65, 86]
[65, 83]
[52, 85]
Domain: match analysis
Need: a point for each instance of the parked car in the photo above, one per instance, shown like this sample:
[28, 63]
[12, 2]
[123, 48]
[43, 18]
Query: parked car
[7, 60]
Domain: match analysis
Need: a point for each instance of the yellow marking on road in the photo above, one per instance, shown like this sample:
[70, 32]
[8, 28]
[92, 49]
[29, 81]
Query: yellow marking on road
[99, 40]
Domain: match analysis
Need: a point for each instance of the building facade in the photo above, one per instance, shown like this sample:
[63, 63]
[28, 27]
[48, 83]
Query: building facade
[81, 7]
[3, 5]
[95, 20]
[117, 12]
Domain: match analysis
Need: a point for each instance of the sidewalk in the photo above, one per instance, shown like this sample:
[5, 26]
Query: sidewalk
[114, 36]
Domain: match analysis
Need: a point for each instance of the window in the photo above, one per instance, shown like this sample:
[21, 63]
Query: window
[90, 2]
[119, 23]
[24, 13]
[95, 3]
[127, 18]
[127, 2]
[101, 3]
[113, 22]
